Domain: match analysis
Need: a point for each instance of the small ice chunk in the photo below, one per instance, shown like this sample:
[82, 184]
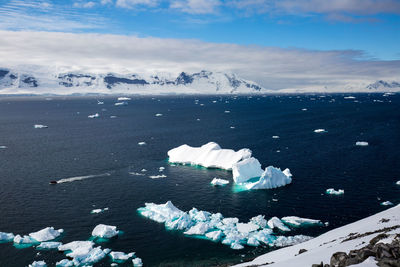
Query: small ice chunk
[3, 147]
[113, 117]
[94, 116]
[259, 220]
[105, 231]
[232, 127]
[319, 131]
[303, 109]
[46, 234]
[40, 126]
[137, 262]
[6, 237]
[94, 255]
[349, 97]
[227, 111]
[121, 256]
[216, 181]
[158, 115]
[386, 203]
[199, 229]
[38, 264]
[161, 169]
[157, 176]
[361, 143]
[123, 98]
[143, 170]
[332, 191]
[65, 263]
[214, 235]
[77, 248]
[236, 246]
[49, 245]
[100, 102]
[398, 182]
[95, 211]
[136, 173]
[142, 143]
[121, 104]
[247, 227]
[271, 178]
[275, 222]
[246, 169]
[24, 240]
[297, 221]
[275, 137]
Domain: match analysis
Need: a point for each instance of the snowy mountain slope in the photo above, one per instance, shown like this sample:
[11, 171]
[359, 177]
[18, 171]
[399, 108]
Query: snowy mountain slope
[31, 80]
[349, 237]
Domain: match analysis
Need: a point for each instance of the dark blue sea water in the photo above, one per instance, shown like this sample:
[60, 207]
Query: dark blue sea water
[75, 145]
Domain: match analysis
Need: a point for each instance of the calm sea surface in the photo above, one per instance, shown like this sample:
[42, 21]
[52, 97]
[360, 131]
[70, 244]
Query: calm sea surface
[75, 145]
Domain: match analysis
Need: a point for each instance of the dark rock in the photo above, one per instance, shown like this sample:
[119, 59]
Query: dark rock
[183, 78]
[389, 263]
[302, 250]
[318, 265]
[111, 80]
[3, 73]
[376, 239]
[338, 259]
[364, 253]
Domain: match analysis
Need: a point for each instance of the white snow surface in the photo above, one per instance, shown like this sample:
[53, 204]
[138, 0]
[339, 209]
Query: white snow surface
[322, 247]
[105, 231]
[210, 155]
[46, 234]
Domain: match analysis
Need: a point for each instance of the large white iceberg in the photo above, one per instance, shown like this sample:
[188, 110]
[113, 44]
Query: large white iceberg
[83, 252]
[210, 155]
[105, 231]
[246, 169]
[6, 237]
[271, 178]
[297, 221]
[121, 256]
[213, 226]
[46, 234]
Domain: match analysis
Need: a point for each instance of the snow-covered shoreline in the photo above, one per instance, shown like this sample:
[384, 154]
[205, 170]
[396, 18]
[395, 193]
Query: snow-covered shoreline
[320, 249]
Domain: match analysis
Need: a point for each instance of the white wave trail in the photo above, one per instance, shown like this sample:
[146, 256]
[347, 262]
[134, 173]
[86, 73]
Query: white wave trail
[78, 178]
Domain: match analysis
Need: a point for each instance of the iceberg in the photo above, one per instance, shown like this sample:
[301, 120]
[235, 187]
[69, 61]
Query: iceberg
[24, 240]
[77, 248]
[275, 222]
[65, 263]
[386, 203]
[361, 143]
[49, 245]
[83, 253]
[217, 181]
[332, 191]
[40, 126]
[297, 221]
[199, 229]
[6, 237]
[158, 115]
[46, 234]
[142, 143]
[93, 256]
[94, 116]
[38, 264]
[246, 169]
[121, 104]
[105, 231]
[122, 98]
[319, 131]
[259, 220]
[210, 155]
[98, 210]
[271, 178]
[137, 262]
[160, 213]
[121, 256]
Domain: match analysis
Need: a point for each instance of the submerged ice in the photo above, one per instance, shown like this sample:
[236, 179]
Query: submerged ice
[228, 231]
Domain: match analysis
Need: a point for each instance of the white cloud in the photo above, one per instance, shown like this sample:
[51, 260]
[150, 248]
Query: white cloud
[196, 6]
[89, 4]
[273, 68]
[135, 3]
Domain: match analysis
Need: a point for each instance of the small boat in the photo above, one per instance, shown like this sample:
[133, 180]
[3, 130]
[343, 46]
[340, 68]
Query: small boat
[53, 182]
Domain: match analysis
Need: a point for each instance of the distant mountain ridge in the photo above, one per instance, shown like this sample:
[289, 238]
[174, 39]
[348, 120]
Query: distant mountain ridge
[16, 82]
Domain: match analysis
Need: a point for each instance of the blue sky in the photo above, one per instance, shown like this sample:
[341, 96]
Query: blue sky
[281, 44]
[371, 26]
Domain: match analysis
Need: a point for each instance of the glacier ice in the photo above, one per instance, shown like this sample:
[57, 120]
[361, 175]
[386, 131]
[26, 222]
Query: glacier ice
[214, 227]
[6, 237]
[271, 178]
[49, 245]
[297, 221]
[40, 126]
[105, 231]
[218, 181]
[332, 191]
[46, 234]
[361, 143]
[210, 155]
[38, 264]
[137, 262]
[246, 169]
[121, 256]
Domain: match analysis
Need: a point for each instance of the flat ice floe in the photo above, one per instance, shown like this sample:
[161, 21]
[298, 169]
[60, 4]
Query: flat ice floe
[83, 253]
[46, 234]
[95, 211]
[218, 181]
[105, 231]
[123, 98]
[332, 191]
[79, 178]
[214, 227]
[386, 203]
[210, 155]
[48, 245]
[297, 221]
[157, 176]
[40, 126]
[361, 143]
[38, 264]
[6, 237]
[319, 131]
[121, 256]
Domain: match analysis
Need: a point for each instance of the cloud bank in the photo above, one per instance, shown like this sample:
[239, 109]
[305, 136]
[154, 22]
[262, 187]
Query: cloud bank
[271, 67]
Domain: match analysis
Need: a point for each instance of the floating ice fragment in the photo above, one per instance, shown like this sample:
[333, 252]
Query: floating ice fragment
[319, 131]
[214, 235]
[100, 102]
[227, 111]
[259, 220]
[95, 211]
[105, 231]
[236, 246]
[49, 245]
[271, 178]
[136, 173]
[46, 234]
[246, 169]
[247, 227]
[332, 191]
[77, 248]
[142, 143]
[38, 264]
[137, 262]
[303, 109]
[157, 176]
[40, 126]
[3, 147]
[275, 137]
[297, 221]
[65, 263]
[275, 222]
[349, 97]
[121, 104]
[93, 256]
[361, 143]
[113, 117]
[199, 229]
[217, 181]
[121, 256]
[94, 116]
[209, 155]
[386, 203]
[122, 98]
[158, 115]
[6, 237]
[143, 170]
[398, 182]
[161, 169]
[24, 240]
[232, 127]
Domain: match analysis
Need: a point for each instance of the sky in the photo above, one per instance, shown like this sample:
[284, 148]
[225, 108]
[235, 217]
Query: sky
[277, 43]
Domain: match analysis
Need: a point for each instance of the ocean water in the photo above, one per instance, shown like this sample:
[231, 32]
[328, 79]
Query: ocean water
[75, 145]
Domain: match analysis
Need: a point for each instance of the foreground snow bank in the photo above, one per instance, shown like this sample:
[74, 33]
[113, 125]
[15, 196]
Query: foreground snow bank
[229, 231]
[352, 236]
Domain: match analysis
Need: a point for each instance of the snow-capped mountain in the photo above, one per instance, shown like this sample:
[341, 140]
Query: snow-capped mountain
[47, 81]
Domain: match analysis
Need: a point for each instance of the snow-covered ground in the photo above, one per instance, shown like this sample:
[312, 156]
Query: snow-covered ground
[349, 237]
